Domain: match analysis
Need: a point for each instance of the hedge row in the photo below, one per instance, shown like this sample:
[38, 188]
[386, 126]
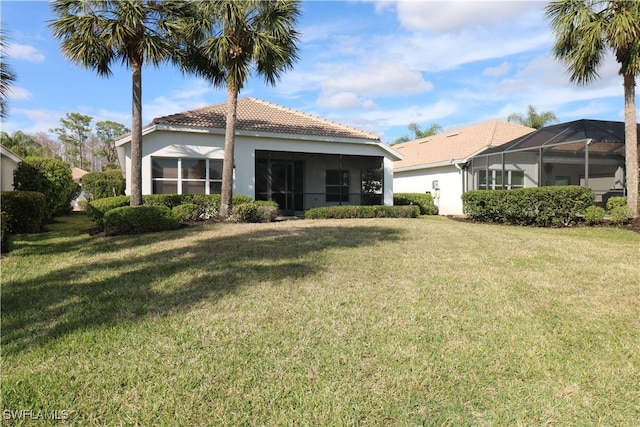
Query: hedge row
[183, 207]
[423, 200]
[541, 206]
[208, 204]
[139, 219]
[350, 211]
[24, 211]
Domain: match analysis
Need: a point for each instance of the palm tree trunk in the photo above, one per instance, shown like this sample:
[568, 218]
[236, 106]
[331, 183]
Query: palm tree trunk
[631, 143]
[136, 133]
[229, 143]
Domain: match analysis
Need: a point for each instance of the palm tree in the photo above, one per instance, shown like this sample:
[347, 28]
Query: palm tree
[533, 119]
[24, 145]
[97, 33]
[430, 131]
[243, 37]
[585, 31]
[7, 77]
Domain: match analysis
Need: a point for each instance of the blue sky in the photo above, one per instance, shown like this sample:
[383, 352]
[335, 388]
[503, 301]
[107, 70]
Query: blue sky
[373, 65]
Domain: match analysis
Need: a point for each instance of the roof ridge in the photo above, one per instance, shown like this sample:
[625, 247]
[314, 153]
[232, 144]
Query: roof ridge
[367, 135]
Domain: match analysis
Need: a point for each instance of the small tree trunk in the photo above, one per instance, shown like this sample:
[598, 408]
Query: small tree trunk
[229, 143]
[136, 133]
[631, 143]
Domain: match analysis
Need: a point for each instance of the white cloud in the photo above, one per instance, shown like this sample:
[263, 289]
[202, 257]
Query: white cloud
[498, 71]
[17, 93]
[378, 78]
[454, 16]
[32, 120]
[344, 100]
[426, 113]
[449, 51]
[24, 52]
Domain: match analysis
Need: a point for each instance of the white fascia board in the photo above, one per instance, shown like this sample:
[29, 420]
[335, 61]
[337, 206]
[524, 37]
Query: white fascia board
[10, 154]
[127, 139]
[392, 154]
[451, 162]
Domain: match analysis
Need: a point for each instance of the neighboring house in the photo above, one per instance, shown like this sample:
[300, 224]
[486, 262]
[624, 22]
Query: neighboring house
[582, 152]
[296, 159]
[77, 175]
[9, 163]
[437, 164]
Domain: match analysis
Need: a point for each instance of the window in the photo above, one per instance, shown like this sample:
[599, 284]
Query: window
[337, 186]
[512, 179]
[186, 176]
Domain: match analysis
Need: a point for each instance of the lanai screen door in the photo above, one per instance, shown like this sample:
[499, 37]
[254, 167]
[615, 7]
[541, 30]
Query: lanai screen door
[281, 181]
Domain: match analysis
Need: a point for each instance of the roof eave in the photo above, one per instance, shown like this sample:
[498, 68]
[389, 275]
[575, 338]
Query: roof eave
[440, 164]
[394, 155]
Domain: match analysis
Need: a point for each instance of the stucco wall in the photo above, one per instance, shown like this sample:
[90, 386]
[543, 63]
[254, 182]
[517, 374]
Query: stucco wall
[206, 145]
[448, 196]
[8, 166]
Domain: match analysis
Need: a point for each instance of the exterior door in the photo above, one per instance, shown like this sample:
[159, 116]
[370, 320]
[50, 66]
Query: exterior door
[281, 181]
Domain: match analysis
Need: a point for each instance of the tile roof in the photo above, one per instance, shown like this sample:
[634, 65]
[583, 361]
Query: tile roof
[459, 144]
[254, 115]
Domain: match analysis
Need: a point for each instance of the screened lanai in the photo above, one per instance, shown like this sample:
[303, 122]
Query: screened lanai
[583, 152]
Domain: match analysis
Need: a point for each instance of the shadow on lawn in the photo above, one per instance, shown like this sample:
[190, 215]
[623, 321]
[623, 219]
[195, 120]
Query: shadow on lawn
[140, 283]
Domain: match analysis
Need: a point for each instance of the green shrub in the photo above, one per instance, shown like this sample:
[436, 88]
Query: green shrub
[51, 177]
[594, 215]
[616, 202]
[187, 212]
[139, 219]
[239, 199]
[168, 200]
[98, 185]
[96, 209]
[423, 200]
[619, 211]
[541, 206]
[3, 231]
[24, 211]
[620, 215]
[209, 204]
[267, 213]
[352, 211]
[245, 212]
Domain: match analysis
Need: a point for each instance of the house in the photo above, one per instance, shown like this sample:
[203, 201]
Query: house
[9, 163]
[296, 159]
[582, 152]
[77, 174]
[438, 163]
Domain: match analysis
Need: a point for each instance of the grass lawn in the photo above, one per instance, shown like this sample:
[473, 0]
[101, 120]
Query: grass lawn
[332, 322]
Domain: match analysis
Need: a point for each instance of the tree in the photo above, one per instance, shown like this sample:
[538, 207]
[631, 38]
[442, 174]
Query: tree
[418, 133]
[97, 33]
[24, 145]
[533, 119]
[74, 134]
[241, 37]
[430, 131]
[584, 32]
[107, 132]
[7, 77]
[51, 177]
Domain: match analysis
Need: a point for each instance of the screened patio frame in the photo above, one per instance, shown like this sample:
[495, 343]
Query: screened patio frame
[598, 145]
